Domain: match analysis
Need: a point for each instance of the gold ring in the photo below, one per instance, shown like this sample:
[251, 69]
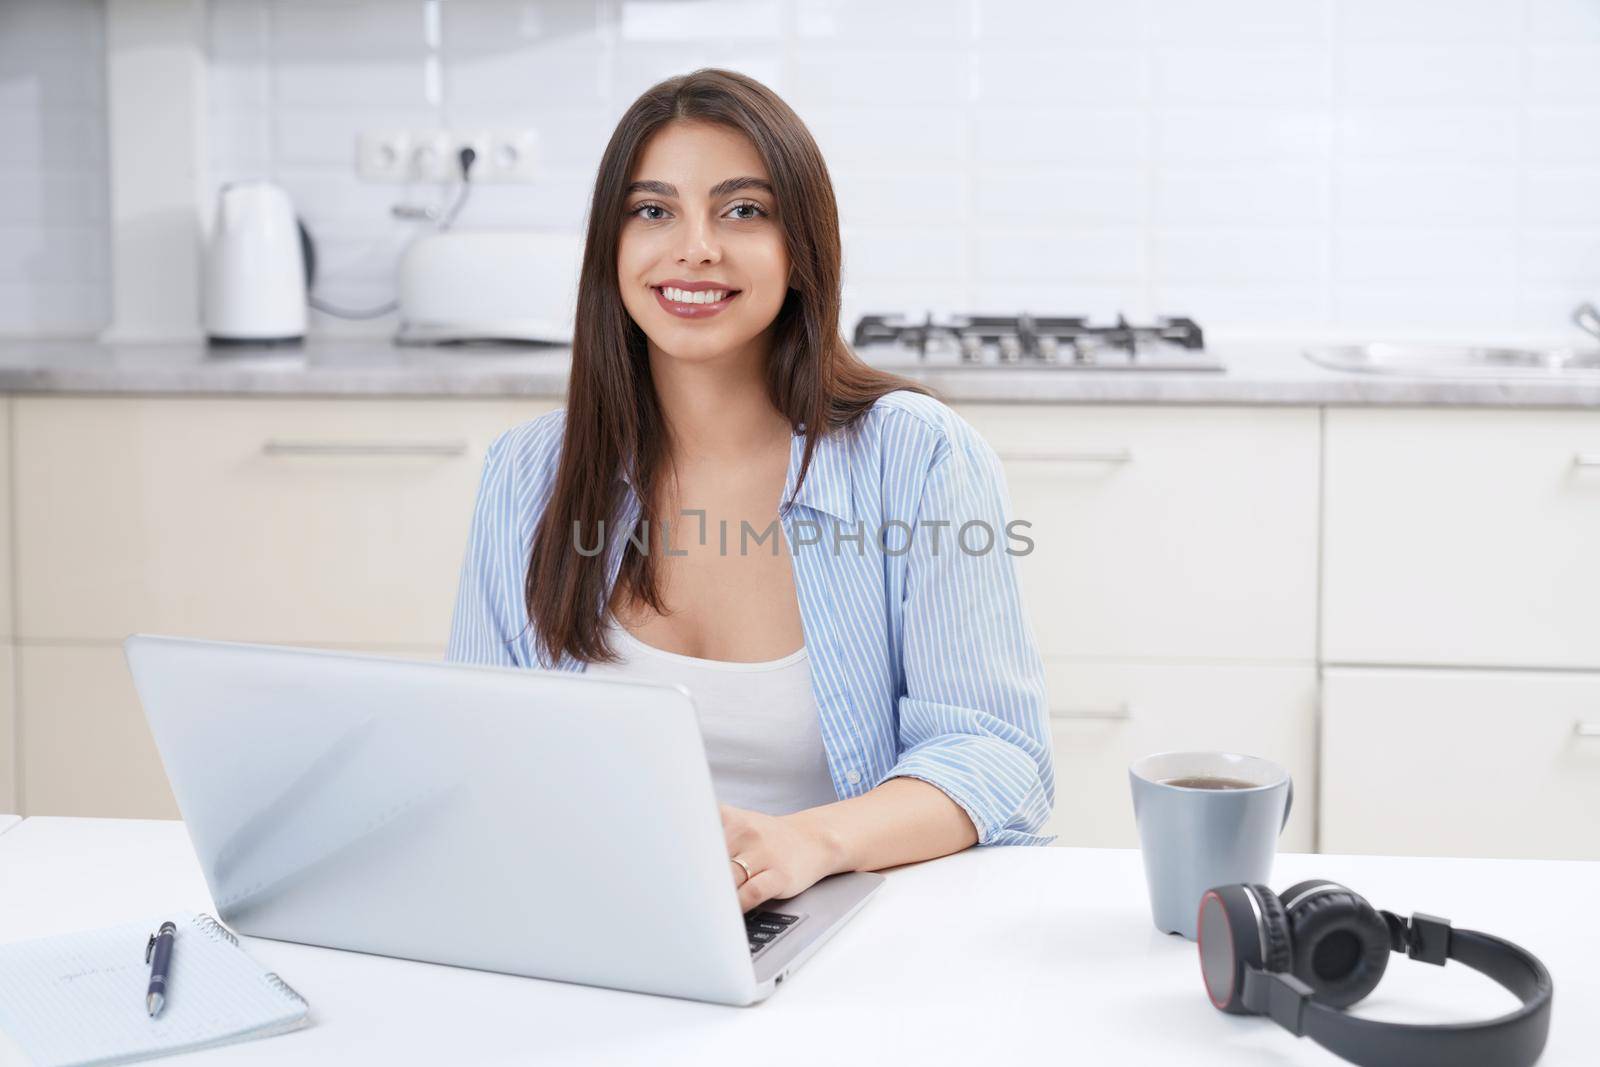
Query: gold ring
[741, 863]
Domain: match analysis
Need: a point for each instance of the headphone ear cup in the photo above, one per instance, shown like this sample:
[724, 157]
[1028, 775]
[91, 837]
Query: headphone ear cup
[1341, 943]
[1275, 925]
[1237, 925]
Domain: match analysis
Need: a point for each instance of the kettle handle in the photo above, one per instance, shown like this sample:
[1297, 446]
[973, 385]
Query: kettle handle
[308, 253]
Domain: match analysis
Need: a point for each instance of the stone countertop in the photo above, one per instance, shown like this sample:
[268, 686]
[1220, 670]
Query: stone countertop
[1256, 372]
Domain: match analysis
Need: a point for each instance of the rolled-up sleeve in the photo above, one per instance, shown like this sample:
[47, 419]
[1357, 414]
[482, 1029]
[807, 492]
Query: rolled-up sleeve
[973, 718]
[490, 611]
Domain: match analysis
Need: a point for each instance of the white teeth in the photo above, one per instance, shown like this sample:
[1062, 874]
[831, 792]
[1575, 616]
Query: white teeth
[685, 296]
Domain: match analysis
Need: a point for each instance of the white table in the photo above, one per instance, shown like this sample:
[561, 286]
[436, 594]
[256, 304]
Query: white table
[992, 955]
[8, 821]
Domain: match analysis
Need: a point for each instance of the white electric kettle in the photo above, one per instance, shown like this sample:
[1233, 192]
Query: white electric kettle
[256, 268]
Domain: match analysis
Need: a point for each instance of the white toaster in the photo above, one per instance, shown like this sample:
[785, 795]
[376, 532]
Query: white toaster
[489, 285]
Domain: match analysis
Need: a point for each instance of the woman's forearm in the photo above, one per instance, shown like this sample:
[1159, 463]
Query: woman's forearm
[902, 820]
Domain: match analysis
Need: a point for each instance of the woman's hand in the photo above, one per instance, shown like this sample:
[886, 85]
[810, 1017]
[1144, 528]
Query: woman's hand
[786, 854]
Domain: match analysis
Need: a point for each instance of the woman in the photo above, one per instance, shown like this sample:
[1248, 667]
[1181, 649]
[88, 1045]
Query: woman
[869, 690]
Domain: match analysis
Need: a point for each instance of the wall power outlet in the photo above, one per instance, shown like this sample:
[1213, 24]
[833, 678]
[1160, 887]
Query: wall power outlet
[434, 155]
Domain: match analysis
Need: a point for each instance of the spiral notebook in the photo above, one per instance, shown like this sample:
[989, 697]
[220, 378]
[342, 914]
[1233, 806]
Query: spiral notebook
[79, 998]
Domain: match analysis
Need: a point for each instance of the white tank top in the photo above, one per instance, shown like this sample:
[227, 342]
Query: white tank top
[759, 721]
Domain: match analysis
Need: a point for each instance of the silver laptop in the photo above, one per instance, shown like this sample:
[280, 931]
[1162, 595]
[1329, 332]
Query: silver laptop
[538, 823]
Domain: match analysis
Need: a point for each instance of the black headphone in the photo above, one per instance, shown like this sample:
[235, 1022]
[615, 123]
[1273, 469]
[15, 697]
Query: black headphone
[1321, 947]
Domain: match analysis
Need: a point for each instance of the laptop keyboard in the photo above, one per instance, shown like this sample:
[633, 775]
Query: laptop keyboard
[765, 927]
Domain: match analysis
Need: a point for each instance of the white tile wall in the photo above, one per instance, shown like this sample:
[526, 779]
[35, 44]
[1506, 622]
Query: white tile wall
[1423, 168]
[54, 245]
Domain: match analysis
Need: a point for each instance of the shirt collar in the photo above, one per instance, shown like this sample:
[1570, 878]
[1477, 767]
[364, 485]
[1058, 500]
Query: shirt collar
[827, 485]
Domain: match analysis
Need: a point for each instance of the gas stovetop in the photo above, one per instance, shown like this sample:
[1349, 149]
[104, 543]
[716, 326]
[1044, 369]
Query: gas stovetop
[1031, 341]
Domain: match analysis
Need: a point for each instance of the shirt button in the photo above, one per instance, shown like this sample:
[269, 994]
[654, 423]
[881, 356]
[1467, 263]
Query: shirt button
[852, 777]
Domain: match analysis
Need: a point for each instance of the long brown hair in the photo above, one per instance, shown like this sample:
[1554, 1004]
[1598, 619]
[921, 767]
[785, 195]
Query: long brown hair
[613, 420]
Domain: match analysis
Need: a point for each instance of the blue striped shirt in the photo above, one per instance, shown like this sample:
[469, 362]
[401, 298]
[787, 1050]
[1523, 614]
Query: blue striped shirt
[923, 662]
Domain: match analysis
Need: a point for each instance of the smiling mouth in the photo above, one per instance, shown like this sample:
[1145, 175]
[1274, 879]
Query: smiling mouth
[693, 294]
[690, 310]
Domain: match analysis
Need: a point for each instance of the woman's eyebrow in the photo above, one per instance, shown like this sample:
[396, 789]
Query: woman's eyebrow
[722, 188]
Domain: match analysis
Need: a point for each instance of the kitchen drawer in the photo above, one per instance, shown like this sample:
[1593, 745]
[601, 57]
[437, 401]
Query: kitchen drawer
[86, 747]
[1105, 716]
[1461, 763]
[1164, 533]
[1462, 538]
[240, 518]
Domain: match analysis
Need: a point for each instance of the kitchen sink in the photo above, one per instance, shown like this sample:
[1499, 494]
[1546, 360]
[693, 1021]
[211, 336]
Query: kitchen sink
[1458, 360]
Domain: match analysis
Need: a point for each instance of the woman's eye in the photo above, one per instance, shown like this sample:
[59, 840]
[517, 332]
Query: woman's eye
[757, 212]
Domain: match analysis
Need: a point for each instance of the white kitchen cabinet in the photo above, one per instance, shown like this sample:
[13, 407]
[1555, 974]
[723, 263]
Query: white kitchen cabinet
[1173, 588]
[1105, 716]
[10, 797]
[1461, 763]
[336, 521]
[1164, 533]
[9, 800]
[1462, 538]
[87, 749]
[7, 612]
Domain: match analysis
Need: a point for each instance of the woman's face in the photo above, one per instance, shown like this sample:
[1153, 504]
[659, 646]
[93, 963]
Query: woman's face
[681, 231]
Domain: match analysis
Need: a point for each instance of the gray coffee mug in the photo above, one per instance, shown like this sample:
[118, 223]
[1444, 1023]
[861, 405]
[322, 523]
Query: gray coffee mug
[1193, 839]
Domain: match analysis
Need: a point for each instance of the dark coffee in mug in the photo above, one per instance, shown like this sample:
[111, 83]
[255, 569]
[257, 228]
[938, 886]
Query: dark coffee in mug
[1208, 781]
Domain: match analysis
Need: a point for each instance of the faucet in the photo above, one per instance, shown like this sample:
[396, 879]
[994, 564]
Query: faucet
[1587, 316]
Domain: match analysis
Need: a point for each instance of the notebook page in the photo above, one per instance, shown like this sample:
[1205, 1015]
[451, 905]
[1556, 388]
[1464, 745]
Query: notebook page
[80, 998]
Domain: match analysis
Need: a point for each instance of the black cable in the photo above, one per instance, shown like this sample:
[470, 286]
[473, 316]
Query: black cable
[467, 156]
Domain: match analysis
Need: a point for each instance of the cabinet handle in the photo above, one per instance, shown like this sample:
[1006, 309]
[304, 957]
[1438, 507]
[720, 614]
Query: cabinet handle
[1121, 455]
[1586, 459]
[1121, 711]
[370, 448]
[1587, 729]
